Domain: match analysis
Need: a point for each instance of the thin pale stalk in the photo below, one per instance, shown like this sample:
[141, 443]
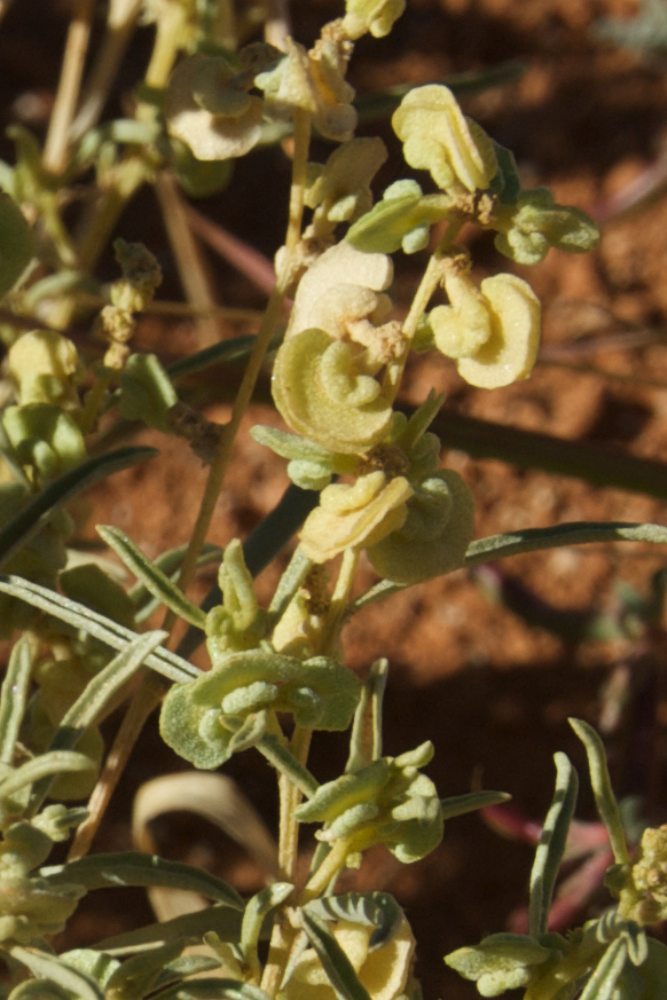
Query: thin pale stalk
[327, 872]
[290, 796]
[145, 699]
[121, 20]
[340, 599]
[189, 259]
[69, 85]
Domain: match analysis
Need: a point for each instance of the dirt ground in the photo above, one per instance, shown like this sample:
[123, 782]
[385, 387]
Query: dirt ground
[492, 691]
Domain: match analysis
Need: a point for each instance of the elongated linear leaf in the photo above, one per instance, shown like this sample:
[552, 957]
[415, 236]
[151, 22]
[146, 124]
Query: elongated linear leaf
[212, 989]
[132, 868]
[14, 697]
[257, 908]
[47, 765]
[47, 966]
[157, 582]
[101, 689]
[170, 563]
[233, 349]
[220, 918]
[602, 984]
[550, 850]
[514, 543]
[335, 962]
[171, 666]
[280, 757]
[573, 533]
[605, 800]
[459, 805]
[27, 521]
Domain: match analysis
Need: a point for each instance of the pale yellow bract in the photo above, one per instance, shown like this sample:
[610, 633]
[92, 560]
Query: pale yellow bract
[493, 332]
[438, 137]
[350, 516]
[383, 971]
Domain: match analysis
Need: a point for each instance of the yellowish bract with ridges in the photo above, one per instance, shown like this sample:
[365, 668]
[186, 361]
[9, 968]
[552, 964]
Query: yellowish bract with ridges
[438, 137]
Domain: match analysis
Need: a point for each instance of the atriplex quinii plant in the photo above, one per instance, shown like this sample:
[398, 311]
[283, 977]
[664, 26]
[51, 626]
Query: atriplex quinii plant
[368, 477]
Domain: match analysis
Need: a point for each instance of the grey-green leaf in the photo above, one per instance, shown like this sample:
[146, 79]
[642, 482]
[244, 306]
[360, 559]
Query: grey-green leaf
[157, 582]
[14, 697]
[335, 962]
[551, 847]
[605, 800]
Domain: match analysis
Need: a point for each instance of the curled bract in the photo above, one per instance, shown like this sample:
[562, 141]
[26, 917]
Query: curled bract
[343, 286]
[434, 536]
[237, 623]
[323, 390]
[438, 137]
[500, 962]
[356, 515]
[314, 82]
[388, 802]
[493, 333]
[374, 16]
[527, 229]
[208, 108]
[199, 719]
[340, 189]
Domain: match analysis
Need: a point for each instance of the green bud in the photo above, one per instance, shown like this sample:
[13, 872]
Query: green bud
[146, 392]
[535, 223]
[44, 437]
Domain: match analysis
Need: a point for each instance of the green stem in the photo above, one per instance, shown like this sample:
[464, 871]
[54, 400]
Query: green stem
[327, 872]
[69, 85]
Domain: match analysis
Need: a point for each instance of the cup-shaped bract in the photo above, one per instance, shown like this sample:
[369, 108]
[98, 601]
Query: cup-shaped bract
[318, 692]
[434, 536]
[355, 515]
[209, 111]
[376, 17]
[438, 137]
[322, 391]
[510, 350]
[501, 962]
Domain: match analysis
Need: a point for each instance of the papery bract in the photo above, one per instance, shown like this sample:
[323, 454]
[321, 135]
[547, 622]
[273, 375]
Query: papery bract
[322, 391]
[535, 223]
[509, 351]
[352, 516]
[439, 138]
[214, 128]
[45, 366]
[434, 536]
[374, 16]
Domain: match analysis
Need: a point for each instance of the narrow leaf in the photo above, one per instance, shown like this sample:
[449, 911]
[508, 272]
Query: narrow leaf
[257, 908]
[170, 563]
[459, 805]
[28, 520]
[280, 757]
[605, 800]
[551, 847]
[366, 736]
[47, 966]
[573, 533]
[602, 983]
[14, 697]
[164, 662]
[47, 765]
[132, 868]
[335, 962]
[157, 582]
[189, 928]
[213, 989]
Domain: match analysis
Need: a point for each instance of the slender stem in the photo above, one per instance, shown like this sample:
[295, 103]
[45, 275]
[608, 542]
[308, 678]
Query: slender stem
[264, 337]
[146, 697]
[339, 600]
[327, 872]
[69, 85]
[290, 796]
[121, 19]
[189, 259]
